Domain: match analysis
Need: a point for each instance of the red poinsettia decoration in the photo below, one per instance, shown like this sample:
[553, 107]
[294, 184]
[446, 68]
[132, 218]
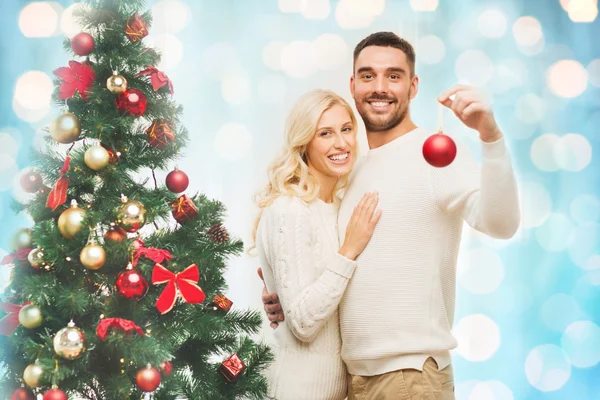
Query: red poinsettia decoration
[158, 78]
[76, 77]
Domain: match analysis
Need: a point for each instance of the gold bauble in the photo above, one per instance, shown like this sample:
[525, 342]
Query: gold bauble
[69, 342]
[32, 375]
[36, 258]
[116, 83]
[92, 256]
[71, 221]
[66, 128]
[131, 216]
[21, 239]
[96, 158]
[30, 316]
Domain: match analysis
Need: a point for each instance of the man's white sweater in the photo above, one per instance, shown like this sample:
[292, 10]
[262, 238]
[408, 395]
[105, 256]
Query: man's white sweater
[398, 309]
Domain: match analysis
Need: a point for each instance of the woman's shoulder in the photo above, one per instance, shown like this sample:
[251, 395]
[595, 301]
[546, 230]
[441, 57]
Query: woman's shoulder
[286, 207]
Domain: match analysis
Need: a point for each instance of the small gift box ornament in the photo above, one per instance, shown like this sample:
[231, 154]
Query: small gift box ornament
[160, 134]
[221, 303]
[184, 209]
[232, 368]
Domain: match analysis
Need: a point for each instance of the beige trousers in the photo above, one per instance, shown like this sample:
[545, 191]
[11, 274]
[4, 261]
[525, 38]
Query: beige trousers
[405, 384]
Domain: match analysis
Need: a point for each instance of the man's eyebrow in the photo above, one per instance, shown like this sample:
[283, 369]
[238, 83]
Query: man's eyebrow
[391, 69]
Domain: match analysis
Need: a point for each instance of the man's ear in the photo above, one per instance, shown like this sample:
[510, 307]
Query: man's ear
[414, 86]
[352, 85]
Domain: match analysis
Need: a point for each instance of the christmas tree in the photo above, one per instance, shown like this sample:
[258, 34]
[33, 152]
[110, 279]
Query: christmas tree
[117, 290]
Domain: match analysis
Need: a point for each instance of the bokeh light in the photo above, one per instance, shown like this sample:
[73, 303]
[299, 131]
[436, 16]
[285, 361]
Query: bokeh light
[567, 78]
[547, 368]
[581, 343]
[299, 59]
[170, 16]
[492, 24]
[431, 49]
[478, 337]
[554, 234]
[38, 19]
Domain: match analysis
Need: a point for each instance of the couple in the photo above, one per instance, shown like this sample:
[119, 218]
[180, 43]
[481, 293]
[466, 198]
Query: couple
[371, 318]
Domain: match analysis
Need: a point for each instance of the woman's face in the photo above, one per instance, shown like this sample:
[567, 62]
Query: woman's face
[332, 151]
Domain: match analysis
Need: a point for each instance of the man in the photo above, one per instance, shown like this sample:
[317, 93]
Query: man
[397, 313]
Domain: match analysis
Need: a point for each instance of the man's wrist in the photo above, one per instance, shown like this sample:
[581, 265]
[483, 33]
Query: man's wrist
[491, 136]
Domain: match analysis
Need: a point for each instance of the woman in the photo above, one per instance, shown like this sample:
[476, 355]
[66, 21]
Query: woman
[297, 243]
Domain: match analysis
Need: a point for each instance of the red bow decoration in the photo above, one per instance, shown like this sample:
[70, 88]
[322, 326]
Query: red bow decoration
[20, 255]
[58, 194]
[123, 324]
[154, 254]
[185, 282]
[158, 78]
[9, 323]
[76, 77]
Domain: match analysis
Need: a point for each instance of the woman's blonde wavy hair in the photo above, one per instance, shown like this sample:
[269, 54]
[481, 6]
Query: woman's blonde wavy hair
[288, 173]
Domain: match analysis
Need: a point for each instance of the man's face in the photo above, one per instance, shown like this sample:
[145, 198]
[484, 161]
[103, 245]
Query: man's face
[382, 87]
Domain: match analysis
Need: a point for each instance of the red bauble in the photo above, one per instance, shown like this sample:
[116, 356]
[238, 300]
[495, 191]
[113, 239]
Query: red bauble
[82, 44]
[166, 367]
[177, 181]
[132, 101]
[31, 181]
[22, 394]
[439, 150]
[131, 284]
[116, 234]
[55, 394]
[148, 379]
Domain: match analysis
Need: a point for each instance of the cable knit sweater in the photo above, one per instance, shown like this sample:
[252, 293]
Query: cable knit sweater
[298, 247]
[398, 309]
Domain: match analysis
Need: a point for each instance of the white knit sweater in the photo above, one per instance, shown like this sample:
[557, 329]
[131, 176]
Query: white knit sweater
[298, 247]
[398, 308]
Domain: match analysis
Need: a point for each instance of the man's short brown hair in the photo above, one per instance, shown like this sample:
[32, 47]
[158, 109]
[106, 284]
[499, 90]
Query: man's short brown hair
[387, 39]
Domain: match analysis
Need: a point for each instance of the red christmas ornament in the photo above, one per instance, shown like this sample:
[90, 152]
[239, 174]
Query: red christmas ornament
[177, 181]
[158, 78]
[76, 77]
[113, 157]
[136, 28]
[131, 284]
[55, 394]
[82, 44]
[232, 367]
[22, 394]
[184, 284]
[115, 234]
[102, 330]
[148, 379]
[183, 209]
[132, 101]
[439, 150]
[166, 367]
[31, 181]
[160, 134]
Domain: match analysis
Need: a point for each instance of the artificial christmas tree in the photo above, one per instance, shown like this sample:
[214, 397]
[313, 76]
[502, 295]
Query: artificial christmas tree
[96, 312]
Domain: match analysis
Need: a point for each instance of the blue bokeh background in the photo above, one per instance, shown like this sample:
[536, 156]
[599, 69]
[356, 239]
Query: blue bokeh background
[528, 309]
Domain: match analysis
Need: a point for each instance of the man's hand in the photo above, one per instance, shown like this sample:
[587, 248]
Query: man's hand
[272, 305]
[471, 108]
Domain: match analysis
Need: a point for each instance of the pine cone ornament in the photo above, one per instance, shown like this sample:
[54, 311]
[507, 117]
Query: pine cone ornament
[218, 233]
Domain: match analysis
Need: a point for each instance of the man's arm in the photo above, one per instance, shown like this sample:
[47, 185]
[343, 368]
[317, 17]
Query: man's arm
[487, 196]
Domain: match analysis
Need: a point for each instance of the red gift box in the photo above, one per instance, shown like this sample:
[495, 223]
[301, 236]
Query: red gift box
[221, 303]
[160, 134]
[232, 368]
[136, 28]
[184, 209]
